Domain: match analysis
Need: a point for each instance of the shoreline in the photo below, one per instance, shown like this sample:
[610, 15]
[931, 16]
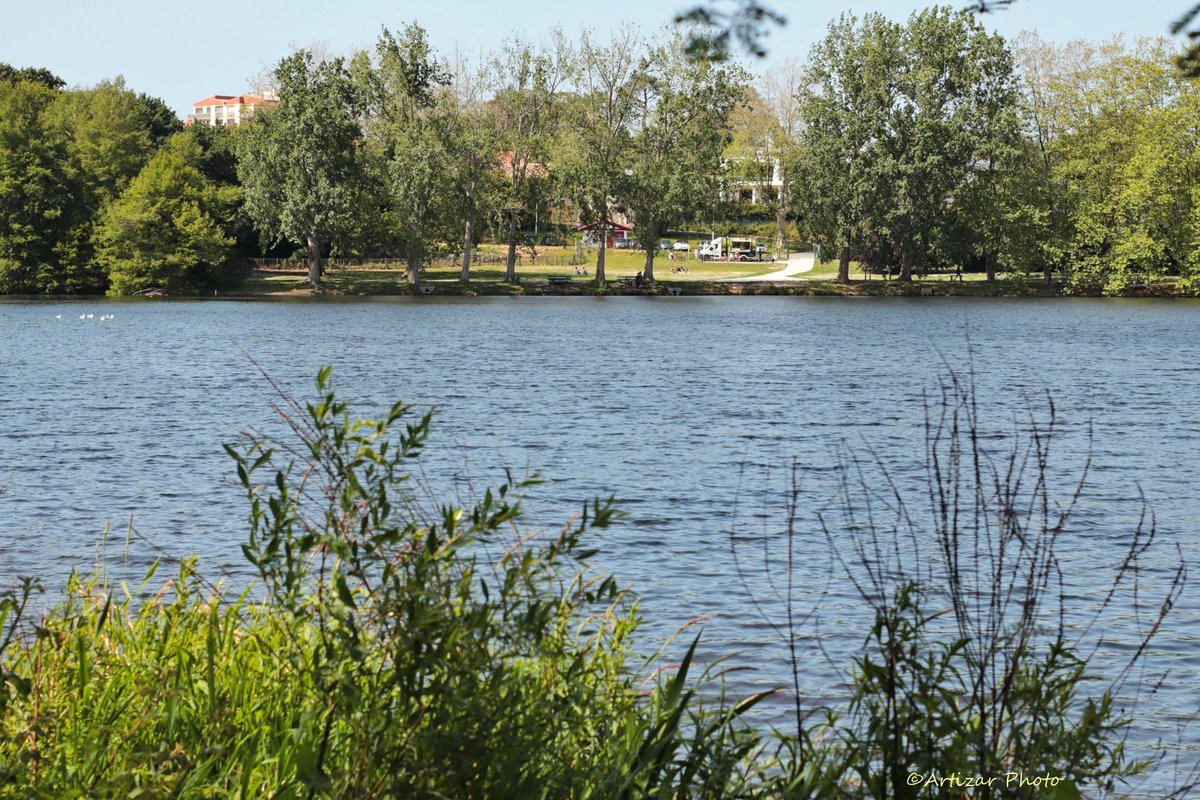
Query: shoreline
[746, 288]
[285, 284]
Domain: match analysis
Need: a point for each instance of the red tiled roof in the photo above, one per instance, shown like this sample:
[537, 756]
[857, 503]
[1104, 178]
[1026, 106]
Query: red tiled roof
[229, 100]
[613, 227]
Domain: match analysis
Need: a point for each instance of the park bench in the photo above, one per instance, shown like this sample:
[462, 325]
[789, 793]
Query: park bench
[559, 279]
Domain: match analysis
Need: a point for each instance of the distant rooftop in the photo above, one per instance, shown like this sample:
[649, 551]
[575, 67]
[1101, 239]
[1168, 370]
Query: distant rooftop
[236, 99]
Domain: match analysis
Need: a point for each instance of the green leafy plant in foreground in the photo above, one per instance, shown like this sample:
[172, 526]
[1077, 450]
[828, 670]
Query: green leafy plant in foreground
[396, 653]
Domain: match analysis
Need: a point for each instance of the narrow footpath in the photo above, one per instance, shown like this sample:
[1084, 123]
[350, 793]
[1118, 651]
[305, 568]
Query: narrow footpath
[797, 264]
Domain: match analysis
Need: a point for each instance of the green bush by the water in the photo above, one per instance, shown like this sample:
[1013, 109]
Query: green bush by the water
[388, 650]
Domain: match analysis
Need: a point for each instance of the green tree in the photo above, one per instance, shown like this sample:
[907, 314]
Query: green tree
[1111, 163]
[11, 74]
[849, 89]
[595, 153]
[35, 191]
[157, 118]
[167, 229]
[301, 164]
[109, 138]
[476, 176]
[107, 145]
[681, 118]
[902, 121]
[413, 128]
[527, 82]
[951, 115]
[765, 146]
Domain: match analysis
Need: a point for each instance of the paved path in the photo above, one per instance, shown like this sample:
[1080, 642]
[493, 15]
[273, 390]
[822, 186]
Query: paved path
[798, 263]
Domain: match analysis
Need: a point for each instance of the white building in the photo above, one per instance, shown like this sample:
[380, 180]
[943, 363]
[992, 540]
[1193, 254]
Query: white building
[226, 109]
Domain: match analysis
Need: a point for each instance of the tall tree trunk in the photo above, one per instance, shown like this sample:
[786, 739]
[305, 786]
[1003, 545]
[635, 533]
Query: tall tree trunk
[468, 236]
[781, 211]
[648, 272]
[989, 265]
[414, 262]
[906, 263]
[844, 265]
[315, 267]
[603, 246]
[510, 269]
[1047, 274]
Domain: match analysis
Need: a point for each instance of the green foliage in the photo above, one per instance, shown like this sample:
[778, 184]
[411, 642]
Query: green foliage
[417, 132]
[108, 146]
[905, 147]
[64, 156]
[916, 708]
[903, 123]
[109, 139]
[716, 34]
[997, 680]
[682, 110]
[301, 164]
[594, 153]
[396, 652]
[65, 159]
[157, 118]
[846, 101]
[528, 109]
[34, 189]
[9, 73]
[167, 229]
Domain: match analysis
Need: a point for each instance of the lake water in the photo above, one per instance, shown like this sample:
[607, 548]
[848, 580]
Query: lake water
[689, 411]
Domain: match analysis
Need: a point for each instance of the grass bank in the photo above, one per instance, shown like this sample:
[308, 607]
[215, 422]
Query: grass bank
[552, 274]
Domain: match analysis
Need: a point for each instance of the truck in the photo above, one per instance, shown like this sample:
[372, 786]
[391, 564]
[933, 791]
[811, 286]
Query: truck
[733, 248]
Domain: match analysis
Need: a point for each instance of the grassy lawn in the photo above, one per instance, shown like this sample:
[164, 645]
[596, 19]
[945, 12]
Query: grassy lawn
[702, 278]
[390, 279]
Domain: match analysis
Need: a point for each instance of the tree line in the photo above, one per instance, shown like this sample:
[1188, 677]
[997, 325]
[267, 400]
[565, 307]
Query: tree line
[907, 146]
[934, 143]
[393, 151]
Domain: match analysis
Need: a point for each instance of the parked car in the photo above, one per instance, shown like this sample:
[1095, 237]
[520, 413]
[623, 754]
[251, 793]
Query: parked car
[551, 240]
[624, 244]
[681, 246]
[663, 244]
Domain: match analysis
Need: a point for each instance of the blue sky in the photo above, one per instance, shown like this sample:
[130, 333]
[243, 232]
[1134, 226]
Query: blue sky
[188, 51]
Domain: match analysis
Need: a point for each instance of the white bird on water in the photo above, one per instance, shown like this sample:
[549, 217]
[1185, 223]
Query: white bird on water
[83, 316]
[58, 316]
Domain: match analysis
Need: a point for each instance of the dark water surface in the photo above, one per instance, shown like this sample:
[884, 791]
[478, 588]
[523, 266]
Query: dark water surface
[688, 410]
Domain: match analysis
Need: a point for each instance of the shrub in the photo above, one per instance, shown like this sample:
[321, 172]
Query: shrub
[395, 653]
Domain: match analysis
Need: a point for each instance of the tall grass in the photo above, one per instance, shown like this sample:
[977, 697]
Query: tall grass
[385, 652]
